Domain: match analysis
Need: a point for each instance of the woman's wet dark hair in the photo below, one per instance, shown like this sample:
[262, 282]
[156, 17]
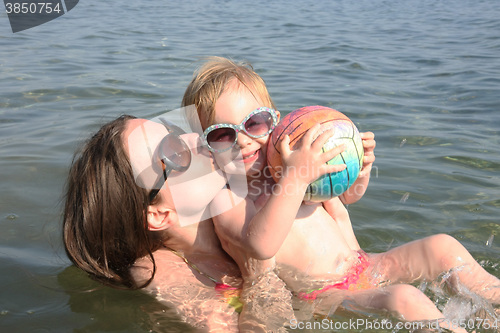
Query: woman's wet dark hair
[105, 226]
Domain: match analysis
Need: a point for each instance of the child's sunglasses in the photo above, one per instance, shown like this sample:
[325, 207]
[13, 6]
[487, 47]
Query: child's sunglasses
[221, 137]
[174, 155]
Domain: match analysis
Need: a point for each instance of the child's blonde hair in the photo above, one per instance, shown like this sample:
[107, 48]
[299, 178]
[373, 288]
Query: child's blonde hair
[211, 80]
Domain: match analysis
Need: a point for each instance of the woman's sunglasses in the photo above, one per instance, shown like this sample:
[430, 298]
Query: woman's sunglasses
[174, 155]
[221, 137]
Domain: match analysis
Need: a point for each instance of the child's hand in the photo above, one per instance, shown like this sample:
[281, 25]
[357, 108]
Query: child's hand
[368, 146]
[308, 161]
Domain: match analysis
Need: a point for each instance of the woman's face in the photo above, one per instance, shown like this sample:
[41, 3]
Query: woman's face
[188, 192]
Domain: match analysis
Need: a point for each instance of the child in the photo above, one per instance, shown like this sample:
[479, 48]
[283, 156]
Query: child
[315, 241]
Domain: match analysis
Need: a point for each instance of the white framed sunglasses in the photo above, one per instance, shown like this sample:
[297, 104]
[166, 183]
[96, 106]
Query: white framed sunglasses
[222, 137]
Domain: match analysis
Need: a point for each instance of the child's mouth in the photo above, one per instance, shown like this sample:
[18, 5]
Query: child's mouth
[248, 158]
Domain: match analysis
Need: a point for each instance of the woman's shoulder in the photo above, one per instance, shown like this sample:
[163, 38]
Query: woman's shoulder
[176, 285]
[170, 269]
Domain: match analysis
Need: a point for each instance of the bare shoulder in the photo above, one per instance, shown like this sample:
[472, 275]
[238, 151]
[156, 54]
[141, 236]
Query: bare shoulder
[175, 285]
[170, 270]
[174, 282]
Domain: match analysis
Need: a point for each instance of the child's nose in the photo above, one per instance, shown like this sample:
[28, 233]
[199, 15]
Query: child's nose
[243, 139]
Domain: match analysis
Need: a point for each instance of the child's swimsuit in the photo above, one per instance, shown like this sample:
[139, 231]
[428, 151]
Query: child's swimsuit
[230, 294]
[351, 281]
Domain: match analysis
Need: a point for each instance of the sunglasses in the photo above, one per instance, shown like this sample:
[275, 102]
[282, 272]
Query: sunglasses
[174, 155]
[222, 137]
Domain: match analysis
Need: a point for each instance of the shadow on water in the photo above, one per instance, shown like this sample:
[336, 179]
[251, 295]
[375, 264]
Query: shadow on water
[108, 309]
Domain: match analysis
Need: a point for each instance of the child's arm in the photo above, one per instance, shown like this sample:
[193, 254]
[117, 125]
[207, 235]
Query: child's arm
[260, 233]
[335, 207]
[358, 189]
[340, 215]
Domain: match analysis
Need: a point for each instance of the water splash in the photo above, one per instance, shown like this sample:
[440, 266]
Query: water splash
[489, 242]
[11, 216]
[405, 197]
[464, 306]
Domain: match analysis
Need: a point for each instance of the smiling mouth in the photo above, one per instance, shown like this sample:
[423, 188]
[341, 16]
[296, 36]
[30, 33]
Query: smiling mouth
[250, 157]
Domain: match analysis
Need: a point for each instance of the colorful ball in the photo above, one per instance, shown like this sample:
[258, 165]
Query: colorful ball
[296, 124]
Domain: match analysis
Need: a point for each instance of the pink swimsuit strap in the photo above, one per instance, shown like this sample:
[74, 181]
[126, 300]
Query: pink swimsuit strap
[351, 278]
[221, 287]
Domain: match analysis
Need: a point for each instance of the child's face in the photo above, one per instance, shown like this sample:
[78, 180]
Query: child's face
[233, 105]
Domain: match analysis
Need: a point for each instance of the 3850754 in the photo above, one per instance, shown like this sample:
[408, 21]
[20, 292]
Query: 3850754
[33, 7]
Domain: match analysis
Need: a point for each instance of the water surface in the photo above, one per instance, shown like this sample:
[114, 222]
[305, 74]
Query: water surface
[423, 76]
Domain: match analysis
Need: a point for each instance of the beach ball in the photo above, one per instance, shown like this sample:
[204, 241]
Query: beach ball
[296, 124]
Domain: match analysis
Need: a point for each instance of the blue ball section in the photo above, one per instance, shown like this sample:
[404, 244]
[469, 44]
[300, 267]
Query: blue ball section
[334, 184]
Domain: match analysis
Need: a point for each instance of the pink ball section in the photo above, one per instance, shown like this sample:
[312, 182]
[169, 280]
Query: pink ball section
[295, 124]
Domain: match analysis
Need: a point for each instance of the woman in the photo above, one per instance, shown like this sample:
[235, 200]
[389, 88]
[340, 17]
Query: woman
[127, 230]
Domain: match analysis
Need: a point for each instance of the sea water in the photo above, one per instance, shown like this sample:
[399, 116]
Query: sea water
[424, 76]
